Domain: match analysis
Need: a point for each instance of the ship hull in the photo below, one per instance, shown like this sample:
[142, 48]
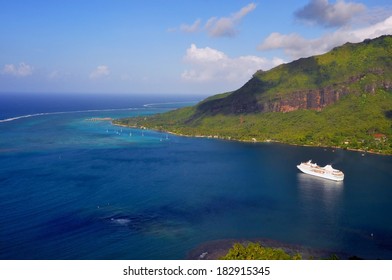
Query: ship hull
[321, 175]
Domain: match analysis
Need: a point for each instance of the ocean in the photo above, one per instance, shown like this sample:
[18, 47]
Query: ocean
[74, 188]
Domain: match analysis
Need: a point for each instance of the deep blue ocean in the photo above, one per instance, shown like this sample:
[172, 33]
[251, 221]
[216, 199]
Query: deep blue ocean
[71, 188]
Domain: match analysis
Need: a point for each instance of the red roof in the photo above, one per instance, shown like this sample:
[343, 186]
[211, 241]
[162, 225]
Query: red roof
[379, 135]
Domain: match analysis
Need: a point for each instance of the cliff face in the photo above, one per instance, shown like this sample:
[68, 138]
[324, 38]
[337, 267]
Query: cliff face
[317, 99]
[311, 83]
[307, 99]
[312, 99]
[350, 88]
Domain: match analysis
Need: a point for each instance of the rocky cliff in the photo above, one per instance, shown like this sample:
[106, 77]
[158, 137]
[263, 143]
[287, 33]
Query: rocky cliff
[317, 99]
[342, 99]
[311, 83]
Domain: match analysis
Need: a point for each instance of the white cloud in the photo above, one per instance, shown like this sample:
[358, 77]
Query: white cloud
[100, 72]
[208, 64]
[296, 46]
[226, 26]
[205, 55]
[381, 28]
[55, 74]
[21, 70]
[223, 27]
[191, 28]
[327, 14]
[219, 27]
[373, 15]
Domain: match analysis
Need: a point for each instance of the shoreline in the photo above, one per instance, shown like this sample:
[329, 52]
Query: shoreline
[252, 141]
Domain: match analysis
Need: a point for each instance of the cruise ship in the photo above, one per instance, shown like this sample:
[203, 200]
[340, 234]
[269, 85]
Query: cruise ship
[327, 172]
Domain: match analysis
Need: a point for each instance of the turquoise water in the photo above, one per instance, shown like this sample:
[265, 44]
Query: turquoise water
[77, 189]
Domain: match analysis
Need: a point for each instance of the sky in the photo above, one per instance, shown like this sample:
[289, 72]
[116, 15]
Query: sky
[169, 46]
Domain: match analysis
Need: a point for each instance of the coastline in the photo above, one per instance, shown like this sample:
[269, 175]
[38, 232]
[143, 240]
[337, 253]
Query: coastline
[214, 249]
[252, 141]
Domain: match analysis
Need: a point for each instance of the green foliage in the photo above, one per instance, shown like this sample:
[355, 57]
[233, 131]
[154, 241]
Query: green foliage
[333, 257]
[351, 67]
[351, 123]
[254, 251]
[360, 120]
[215, 97]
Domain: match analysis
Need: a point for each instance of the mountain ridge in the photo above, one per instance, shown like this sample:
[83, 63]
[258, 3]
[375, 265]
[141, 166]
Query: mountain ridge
[342, 98]
[310, 83]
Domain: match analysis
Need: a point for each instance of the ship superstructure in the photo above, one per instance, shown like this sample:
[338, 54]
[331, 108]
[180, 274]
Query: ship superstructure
[327, 172]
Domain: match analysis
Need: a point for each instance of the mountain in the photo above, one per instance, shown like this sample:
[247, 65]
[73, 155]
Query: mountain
[342, 99]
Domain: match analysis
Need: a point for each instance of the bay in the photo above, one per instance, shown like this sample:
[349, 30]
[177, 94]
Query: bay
[72, 188]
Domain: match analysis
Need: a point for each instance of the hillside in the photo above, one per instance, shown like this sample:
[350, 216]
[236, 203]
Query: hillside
[342, 99]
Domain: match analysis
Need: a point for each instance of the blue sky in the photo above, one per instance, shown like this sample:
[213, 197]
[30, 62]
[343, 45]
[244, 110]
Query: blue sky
[171, 46]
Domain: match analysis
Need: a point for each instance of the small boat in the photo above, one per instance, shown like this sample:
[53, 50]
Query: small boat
[327, 172]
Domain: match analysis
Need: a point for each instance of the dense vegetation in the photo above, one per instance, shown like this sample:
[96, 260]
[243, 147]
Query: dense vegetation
[254, 251]
[360, 119]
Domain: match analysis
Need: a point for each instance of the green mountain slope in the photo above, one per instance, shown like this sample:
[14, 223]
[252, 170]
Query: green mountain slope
[342, 99]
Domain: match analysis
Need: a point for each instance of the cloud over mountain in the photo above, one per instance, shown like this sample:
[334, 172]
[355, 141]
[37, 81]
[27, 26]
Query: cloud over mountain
[323, 13]
[296, 46]
[208, 64]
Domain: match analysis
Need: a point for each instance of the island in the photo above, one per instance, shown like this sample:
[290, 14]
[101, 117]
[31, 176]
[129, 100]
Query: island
[340, 99]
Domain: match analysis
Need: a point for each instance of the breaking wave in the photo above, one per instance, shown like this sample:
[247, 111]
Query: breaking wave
[65, 112]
